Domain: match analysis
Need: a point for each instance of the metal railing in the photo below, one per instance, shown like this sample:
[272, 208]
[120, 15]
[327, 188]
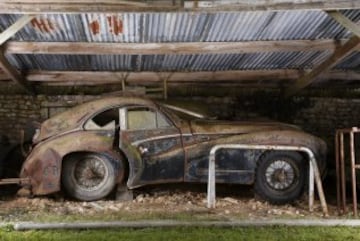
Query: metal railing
[314, 174]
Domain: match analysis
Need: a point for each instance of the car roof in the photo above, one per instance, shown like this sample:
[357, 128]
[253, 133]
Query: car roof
[76, 116]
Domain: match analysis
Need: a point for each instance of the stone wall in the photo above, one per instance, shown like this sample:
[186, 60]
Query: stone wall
[325, 115]
[320, 116]
[17, 113]
[21, 112]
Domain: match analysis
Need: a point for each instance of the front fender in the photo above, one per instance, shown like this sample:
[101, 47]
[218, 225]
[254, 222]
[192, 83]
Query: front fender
[43, 165]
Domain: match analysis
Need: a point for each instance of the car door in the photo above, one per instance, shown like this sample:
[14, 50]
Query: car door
[155, 144]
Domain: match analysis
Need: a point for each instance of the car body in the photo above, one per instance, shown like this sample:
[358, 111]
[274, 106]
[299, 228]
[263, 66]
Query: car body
[133, 141]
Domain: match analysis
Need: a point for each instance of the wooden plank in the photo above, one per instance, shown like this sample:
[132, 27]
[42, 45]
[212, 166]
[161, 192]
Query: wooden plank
[15, 75]
[344, 21]
[4, 76]
[106, 77]
[338, 55]
[57, 6]
[78, 48]
[103, 77]
[13, 29]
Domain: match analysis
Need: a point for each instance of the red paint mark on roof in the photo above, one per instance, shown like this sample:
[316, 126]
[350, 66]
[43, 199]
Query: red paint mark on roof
[115, 24]
[42, 25]
[95, 27]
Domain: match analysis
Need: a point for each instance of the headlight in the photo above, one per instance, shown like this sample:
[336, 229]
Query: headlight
[36, 135]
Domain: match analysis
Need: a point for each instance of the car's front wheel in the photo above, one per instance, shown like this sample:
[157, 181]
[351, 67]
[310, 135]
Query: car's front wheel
[89, 176]
[280, 177]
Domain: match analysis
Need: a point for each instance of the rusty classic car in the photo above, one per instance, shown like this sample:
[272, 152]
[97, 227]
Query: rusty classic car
[129, 141]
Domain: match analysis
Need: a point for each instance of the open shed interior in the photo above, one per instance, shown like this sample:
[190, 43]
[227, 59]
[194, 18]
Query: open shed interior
[293, 61]
[290, 61]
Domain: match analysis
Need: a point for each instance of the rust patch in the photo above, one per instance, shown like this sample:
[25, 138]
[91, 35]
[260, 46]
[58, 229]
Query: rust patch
[115, 24]
[95, 27]
[43, 25]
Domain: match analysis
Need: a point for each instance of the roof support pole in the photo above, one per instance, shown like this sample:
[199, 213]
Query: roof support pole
[339, 54]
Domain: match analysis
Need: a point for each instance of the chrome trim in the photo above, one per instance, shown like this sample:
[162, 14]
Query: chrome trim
[136, 143]
[123, 120]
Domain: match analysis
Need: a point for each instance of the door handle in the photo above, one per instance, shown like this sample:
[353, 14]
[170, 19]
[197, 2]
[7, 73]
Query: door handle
[143, 150]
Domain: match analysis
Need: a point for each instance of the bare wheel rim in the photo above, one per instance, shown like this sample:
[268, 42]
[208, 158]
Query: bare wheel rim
[280, 175]
[90, 173]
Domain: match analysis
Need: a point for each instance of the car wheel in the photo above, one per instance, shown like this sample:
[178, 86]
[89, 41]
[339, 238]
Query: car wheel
[89, 176]
[280, 177]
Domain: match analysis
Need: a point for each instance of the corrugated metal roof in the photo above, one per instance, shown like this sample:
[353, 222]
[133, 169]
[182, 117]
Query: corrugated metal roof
[181, 27]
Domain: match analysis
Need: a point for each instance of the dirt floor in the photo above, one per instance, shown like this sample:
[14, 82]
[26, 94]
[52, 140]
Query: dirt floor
[158, 202]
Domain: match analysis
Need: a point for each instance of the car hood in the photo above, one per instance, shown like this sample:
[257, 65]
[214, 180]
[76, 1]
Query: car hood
[236, 127]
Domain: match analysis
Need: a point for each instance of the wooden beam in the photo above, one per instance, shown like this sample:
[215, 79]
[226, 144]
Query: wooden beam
[13, 29]
[344, 21]
[338, 55]
[106, 77]
[78, 48]
[66, 6]
[4, 76]
[14, 74]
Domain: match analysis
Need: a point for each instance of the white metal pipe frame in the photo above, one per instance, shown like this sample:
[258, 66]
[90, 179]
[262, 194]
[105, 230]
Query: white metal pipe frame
[314, 173]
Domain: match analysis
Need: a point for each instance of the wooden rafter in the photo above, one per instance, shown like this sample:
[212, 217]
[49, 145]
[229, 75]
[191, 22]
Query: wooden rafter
[6, 67]
[15, 75]
[10, 71]
[77, 48]
[66, 6]
[107, 77]
[339, 54]
[13, 29]
[344, 21]
[3, 76]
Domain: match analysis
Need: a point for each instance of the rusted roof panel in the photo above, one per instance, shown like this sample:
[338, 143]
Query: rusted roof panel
[181, 26]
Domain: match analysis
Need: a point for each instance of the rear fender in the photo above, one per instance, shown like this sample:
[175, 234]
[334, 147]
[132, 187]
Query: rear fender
[43, 166]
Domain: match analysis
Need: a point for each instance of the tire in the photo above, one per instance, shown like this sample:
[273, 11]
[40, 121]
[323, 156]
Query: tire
[89, 176]
[280, 177]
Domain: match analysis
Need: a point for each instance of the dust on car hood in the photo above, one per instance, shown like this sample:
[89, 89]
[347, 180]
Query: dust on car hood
[236, 127]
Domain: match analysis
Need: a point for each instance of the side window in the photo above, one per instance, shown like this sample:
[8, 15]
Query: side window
[143, 118]
[106, 120]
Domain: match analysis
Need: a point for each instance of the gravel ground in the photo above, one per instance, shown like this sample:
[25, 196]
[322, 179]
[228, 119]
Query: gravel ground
[157, 203]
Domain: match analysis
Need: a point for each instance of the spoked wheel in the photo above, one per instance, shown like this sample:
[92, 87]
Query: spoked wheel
[280, 177]
[89, 176]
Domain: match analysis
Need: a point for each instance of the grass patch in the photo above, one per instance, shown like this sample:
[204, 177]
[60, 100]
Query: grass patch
[208, 234]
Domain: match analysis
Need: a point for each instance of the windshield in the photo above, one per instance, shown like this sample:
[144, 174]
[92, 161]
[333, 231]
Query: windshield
[177, 113]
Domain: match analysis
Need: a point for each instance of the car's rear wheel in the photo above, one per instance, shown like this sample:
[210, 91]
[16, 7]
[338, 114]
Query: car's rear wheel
[89, 176]
[280, 177]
